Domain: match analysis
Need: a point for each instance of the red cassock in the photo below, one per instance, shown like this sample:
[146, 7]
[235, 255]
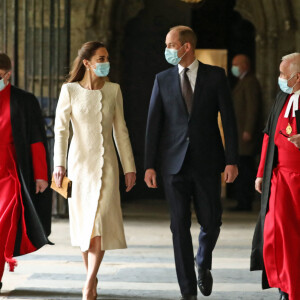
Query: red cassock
[281, 251]
[11, 205]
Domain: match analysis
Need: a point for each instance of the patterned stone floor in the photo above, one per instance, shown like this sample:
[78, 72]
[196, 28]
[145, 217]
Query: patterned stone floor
[145, 270]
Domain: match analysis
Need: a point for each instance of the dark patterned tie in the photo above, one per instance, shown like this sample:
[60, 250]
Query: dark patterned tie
[187, 91]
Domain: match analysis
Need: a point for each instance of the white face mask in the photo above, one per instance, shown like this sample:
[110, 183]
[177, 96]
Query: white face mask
[2, 83]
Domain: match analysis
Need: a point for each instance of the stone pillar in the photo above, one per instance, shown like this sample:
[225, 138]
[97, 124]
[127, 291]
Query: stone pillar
[261, 71]
[296, 13]
[277, 34]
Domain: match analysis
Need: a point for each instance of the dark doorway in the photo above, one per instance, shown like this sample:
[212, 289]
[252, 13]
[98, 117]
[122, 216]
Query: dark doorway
[217, 26]
[143, 57]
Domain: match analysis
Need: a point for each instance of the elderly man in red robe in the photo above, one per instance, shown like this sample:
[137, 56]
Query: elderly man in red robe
[276, 242]
[25, 199]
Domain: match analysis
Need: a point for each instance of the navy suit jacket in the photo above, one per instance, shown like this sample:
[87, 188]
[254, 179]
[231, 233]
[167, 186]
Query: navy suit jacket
[171, 130]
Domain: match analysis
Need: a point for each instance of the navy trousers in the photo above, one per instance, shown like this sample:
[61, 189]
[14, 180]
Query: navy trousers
[183, 189]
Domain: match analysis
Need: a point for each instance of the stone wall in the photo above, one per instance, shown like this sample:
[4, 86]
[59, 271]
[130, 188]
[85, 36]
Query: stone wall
[105, 21]
[277, 34]
[131, 27]
[276, 23]
[134, 32]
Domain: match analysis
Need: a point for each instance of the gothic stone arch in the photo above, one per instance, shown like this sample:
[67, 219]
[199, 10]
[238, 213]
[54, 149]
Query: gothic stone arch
[275, 37]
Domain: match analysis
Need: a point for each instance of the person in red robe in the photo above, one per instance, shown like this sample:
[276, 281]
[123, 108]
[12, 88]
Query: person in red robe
[25, 199]
[276, 242]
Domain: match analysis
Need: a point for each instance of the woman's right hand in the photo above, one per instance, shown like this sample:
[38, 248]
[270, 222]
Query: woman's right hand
[59, 174]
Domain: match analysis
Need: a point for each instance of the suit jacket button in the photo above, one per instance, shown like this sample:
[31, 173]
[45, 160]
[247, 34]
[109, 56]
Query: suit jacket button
[188, 139]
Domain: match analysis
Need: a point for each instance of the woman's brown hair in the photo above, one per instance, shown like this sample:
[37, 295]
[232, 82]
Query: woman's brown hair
[85, 52]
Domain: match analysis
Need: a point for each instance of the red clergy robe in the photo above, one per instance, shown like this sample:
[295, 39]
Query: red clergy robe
[281, 250]
[11, 206]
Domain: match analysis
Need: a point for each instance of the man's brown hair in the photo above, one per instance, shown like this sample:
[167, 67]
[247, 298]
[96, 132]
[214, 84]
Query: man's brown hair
[5, 62]
[186, 35]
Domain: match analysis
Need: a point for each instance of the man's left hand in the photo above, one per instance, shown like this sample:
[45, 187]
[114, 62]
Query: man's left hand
[295, 139]
[230, 173]
[40, 185]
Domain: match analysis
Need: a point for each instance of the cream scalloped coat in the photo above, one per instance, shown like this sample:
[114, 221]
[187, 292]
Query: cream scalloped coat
[92, 160]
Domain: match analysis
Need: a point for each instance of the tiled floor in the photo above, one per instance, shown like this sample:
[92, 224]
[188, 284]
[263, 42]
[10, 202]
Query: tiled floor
[143, 271]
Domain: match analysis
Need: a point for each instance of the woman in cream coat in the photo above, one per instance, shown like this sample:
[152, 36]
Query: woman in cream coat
[95, 108]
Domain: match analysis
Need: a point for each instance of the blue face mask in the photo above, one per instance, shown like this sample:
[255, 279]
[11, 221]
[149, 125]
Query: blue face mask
[235, 70]
[102, 69]
[2, 84]
[171, 56]
[283, 84]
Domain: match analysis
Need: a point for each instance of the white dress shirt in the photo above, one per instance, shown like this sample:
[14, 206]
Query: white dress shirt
[243, 75]
[191, 73]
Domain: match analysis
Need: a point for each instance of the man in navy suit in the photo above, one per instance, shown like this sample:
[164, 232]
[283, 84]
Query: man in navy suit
[183, 125]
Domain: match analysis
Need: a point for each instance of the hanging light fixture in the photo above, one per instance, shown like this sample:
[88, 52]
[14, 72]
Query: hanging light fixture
[194, 3]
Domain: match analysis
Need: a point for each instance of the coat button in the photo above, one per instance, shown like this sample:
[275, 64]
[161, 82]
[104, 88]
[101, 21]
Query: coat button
[188, 139]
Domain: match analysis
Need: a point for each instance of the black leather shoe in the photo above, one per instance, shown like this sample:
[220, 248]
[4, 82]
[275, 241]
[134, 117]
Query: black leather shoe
[205, 280]
[188, 297]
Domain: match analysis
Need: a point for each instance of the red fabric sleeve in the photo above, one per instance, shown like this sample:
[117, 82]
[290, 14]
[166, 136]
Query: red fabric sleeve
[263, 155]
[39, 161]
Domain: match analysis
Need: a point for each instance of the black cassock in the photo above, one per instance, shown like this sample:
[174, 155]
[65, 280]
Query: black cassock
[28, 127]
[257, 262]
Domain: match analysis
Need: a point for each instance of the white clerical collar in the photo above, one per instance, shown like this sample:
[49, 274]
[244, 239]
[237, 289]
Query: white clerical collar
[293, 101]
[192, 67]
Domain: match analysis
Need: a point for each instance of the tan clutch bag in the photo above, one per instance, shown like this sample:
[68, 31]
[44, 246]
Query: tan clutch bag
[66, 188]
